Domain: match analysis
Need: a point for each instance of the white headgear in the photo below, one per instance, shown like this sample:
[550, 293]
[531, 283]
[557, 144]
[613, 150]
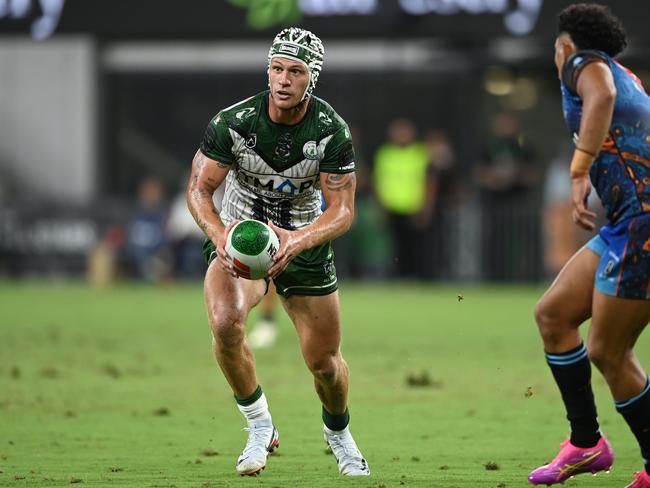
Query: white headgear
[302, 46]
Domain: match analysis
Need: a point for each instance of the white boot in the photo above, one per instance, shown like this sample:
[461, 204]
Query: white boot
[263, 335]
[350, 460]
[262, 439]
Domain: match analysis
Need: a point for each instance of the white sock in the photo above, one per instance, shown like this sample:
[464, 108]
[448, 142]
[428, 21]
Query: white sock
[337, 432]
[256, 412]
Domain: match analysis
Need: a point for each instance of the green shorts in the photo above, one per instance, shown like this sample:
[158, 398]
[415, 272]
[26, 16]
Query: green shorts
[312, 272]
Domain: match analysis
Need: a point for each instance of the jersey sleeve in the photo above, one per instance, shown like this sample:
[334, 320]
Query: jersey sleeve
[217, 142]
[576, 63]
[339, 153]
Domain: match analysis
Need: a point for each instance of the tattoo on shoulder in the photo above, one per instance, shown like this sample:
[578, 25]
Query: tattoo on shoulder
[199, 160]
[336, 182]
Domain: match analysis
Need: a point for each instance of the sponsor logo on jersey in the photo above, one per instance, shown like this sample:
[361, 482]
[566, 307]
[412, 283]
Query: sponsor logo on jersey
[274, 184]
[614, 256]
[310, 150]
[247, 112]
[289, 49]
[251, 141]
[288, 184]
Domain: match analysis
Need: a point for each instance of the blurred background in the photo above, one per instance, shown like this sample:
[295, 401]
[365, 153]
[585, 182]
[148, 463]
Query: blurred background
[454, 105]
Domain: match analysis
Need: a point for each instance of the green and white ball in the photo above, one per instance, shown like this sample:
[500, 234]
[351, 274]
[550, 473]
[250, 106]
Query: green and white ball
[250, 246]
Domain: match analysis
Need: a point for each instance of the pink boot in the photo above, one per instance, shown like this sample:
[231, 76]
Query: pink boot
[572, 460]
[641, 480]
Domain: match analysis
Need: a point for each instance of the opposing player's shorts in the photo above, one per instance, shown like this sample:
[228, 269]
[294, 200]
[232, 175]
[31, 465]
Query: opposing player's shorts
[624, 250]
[312, 272]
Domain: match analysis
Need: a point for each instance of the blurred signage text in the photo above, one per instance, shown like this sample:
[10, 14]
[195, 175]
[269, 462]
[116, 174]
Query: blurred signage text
[338, 7]
[519, 16]
[44, 22]
[464, 20]
[519, 21]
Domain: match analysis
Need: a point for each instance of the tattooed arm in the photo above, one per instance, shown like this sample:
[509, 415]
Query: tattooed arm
[207, 175]
[338, 191]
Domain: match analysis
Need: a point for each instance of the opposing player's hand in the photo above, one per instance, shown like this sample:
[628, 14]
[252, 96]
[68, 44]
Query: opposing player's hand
[580, 189]
[290, 246]
[222, 255]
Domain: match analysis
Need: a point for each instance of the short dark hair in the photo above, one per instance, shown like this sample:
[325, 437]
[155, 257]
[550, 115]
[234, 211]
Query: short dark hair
[593, 26]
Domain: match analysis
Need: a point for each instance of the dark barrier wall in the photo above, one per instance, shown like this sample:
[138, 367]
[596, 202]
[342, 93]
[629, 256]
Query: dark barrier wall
[465, 20]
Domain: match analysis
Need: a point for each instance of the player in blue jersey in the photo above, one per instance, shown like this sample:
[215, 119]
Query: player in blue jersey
[608, 113]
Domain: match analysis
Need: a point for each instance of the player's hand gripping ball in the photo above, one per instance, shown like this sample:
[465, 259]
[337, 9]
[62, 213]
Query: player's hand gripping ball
[250, 246]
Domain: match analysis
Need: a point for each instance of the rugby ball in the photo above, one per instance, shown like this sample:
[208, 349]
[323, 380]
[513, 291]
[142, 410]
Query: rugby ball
[250, 246]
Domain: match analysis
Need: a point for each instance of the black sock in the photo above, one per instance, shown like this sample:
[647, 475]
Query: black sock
[336, 422]
[636, 412]
[572, 373]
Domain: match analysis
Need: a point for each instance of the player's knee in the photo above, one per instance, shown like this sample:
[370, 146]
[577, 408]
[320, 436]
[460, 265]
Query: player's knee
[552, 326]
[227, 325]
[324, 368]
[546, 321]
[608, 360]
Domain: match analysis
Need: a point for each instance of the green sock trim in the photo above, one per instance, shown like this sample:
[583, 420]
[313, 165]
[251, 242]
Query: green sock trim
[250, 399]
[336, 422]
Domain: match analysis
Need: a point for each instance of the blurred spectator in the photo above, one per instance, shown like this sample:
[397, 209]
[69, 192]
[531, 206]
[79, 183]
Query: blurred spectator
[185, 238]
[562, 238]
[405, 187]
[507, 168]
[363, 252]
[102, 266]
[444, 179]
[145, 244]
[443, 160]
[506, 176]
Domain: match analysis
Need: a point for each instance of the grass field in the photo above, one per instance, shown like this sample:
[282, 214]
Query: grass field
[118, 388]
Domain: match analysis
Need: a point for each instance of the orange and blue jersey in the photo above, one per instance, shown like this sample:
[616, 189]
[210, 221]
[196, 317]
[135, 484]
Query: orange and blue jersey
[621, 176]
[621, 172]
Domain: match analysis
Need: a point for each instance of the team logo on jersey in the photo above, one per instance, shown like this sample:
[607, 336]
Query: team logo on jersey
[251, 141]
[283, 148]
[323, 117]
[247, 112]
[310, 150]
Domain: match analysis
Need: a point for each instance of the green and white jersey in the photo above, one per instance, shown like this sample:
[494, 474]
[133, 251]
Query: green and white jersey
[275, 168]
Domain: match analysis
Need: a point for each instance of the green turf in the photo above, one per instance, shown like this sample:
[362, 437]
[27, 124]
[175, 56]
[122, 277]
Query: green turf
[118, 388]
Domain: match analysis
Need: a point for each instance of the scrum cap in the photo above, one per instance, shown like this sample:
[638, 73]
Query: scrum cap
[300, 45]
